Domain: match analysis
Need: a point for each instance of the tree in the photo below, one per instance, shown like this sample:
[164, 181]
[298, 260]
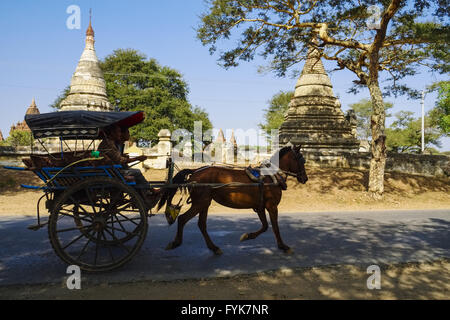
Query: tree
[134, 83]
[440, 114]
[56, 104]
[363, 111]
[274, 115]
[397, 40]
[405, 134]
[19, 138]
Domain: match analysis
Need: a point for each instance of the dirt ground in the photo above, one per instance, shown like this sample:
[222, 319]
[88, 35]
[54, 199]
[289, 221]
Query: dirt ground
[326, 190]
[402, 281]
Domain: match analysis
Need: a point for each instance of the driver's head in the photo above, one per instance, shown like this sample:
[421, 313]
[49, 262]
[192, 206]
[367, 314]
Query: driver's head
[113, 133]
[125, 134]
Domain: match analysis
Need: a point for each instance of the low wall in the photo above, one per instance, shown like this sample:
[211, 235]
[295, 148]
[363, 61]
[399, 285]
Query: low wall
[424, 165]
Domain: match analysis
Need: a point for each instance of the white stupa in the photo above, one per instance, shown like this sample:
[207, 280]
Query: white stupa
[87, 88]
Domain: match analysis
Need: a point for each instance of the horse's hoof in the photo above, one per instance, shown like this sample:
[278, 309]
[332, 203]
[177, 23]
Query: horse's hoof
[218, 252]
[289, 251]
[244, 237]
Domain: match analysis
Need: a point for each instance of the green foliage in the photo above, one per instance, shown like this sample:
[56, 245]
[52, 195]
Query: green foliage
[135, 83]
[363, 111]
[405, 134]
[274, 115]
[4, 143]
[60, 98]
[416, 34]
[440, 114]
[19, 138]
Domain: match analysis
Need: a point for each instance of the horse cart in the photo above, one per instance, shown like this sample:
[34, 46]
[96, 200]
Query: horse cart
[98, 218]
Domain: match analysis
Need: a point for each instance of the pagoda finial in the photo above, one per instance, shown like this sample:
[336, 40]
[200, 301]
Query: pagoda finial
[90, 30]
[33, 109]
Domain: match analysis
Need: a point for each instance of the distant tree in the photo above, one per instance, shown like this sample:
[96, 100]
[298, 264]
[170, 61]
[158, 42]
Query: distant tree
[19, 138]
[274, 115]
[440, 114]
[363, 110]
[366, 37]
[135, 83]
[405, 133]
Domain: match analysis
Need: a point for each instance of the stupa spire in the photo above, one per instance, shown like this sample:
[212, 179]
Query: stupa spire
[87, 88]
[220, 137]
[90, 31]
[33, 109]
[233, 139]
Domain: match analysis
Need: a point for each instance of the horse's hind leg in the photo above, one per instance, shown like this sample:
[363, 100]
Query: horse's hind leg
[273, 213]
[254, 235]
[202, 226]
[182, 220]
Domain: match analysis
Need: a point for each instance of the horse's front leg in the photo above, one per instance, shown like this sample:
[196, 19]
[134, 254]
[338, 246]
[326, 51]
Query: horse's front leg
[202, 226]
[254, 235]
[273, 213]
[182, 220]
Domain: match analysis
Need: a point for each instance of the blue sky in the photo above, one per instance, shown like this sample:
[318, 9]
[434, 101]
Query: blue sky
[39, 54]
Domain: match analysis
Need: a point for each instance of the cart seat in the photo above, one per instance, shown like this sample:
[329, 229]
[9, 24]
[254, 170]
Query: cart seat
[37, 162]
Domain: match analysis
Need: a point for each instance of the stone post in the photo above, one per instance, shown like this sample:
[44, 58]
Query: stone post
[164, 148]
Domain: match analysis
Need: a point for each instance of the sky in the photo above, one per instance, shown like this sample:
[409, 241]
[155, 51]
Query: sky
[39, 54]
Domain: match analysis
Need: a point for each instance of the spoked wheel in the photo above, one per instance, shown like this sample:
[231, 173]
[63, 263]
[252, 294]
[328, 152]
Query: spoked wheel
[98, 225]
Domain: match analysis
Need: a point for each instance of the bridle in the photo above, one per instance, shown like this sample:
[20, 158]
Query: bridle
[287, 172]
[300, 160]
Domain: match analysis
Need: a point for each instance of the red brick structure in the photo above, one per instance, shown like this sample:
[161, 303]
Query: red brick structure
[22, 126]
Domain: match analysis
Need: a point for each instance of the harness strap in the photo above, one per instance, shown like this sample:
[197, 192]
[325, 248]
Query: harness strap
[261, 196]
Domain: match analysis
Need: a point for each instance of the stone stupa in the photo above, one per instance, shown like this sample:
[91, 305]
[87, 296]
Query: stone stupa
[314, 118]
[87, 88]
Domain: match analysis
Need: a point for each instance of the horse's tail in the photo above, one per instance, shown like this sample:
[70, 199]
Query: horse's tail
[169, 193]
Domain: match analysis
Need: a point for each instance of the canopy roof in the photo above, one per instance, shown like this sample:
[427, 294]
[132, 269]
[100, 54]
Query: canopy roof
[79, 124]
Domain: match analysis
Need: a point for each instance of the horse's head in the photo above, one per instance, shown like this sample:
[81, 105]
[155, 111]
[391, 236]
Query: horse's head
[293, 163]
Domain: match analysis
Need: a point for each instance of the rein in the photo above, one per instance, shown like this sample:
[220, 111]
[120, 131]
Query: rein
[289, 173]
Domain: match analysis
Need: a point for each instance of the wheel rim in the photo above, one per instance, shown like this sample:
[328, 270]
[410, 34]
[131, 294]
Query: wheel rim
[98, 226]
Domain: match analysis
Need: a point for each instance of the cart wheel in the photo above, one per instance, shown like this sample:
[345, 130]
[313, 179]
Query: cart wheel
[99, 224]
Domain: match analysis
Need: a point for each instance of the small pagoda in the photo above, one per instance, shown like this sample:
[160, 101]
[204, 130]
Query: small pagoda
[314, 118]
[22, 126]
[87, 88]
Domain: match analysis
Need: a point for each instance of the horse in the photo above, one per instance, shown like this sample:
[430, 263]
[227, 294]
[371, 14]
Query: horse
[291, 163]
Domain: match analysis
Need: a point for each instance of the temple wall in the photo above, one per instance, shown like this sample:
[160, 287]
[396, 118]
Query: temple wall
[424, 165]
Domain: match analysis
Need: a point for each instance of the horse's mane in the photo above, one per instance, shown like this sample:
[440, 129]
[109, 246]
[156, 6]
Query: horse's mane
[280, 153]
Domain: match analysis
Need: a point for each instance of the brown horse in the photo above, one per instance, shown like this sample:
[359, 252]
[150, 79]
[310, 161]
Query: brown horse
[291, 162]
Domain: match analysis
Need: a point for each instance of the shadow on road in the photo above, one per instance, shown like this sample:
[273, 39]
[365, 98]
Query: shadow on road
[318, 239]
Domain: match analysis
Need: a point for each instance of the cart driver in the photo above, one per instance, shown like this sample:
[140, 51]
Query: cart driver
[113, 139]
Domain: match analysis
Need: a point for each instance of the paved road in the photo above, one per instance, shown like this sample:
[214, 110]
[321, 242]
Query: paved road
[362, 238]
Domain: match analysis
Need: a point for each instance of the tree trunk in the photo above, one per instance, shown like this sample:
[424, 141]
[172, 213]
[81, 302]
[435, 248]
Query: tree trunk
[378, 161]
